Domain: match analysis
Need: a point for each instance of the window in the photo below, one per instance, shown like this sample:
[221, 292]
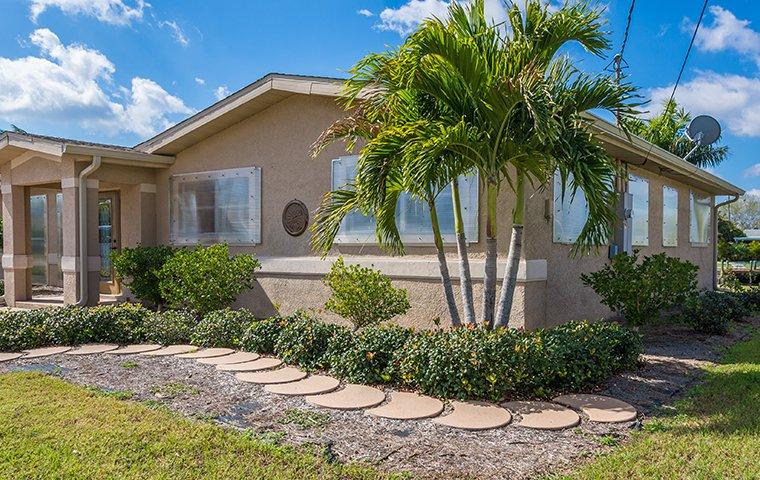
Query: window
[699, 229]
[669, 217]
[570, 211]
[639, 189]
[412, 216]
[219, 206]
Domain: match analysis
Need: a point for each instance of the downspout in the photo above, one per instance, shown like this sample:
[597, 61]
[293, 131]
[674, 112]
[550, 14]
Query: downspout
[83, 253]
[715, 237]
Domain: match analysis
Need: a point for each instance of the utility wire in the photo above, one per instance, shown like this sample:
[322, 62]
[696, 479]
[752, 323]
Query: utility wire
[618, 63]
[683, 67]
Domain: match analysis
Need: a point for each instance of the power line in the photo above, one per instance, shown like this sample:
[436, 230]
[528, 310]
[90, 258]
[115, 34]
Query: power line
[683, 67]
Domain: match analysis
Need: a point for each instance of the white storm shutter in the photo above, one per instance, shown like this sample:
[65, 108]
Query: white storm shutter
[215, 207]
[639, 188]
[699, 228]
[669, 217]
[570, 212]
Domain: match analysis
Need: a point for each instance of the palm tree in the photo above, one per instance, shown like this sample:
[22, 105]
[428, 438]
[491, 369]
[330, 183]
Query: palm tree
[526, 104]
[668, 131]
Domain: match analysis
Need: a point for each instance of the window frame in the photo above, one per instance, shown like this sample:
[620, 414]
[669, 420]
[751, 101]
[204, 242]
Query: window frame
[253, 174]
[636, 178]
[666, 188]
[468, 200]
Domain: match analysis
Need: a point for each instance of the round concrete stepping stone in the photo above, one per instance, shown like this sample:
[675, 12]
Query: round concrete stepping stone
[475, 416]
[543, 415]
[92, 349]
[260, 364]
[171, 350]
[239, 357]
[282, 375]
[313, 385]
[599, 408]
[134, 349]
[352, 397]
[45, 352]
[207, 353]
[408, 406]
[7, 357]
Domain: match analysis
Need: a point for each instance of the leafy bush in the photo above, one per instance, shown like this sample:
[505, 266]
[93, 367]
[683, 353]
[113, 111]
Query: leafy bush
[263, 334]
[712, 312]
[20, 330]
[205, 279]
[369, 356]
[640, 292]
[750, 299]
[310, 343]
[138, 268]
[170, 327]
[478, 363]
[363, 295]
[222, 328]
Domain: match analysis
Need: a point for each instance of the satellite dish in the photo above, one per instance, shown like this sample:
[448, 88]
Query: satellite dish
[703, 130]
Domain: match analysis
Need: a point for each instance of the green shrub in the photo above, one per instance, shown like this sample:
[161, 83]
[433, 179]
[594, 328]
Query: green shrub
[640, 292]
[222, 328]
[712, 312]
[262, 334]
[20, 330]
[750, 299]
[363, 295]
[138, 268]
[205, 279]
[309, 343]
[369, 355]
[478, 363]
[170, 327]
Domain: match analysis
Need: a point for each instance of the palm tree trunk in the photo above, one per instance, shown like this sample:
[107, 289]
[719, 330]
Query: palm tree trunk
[465, 279]
[448, 290]
[489, 280]
[513, 259]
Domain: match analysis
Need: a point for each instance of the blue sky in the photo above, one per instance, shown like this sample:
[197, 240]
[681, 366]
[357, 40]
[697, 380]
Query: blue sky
[118, 71]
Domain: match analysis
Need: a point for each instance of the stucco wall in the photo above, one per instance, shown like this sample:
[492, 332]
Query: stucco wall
[278, 140]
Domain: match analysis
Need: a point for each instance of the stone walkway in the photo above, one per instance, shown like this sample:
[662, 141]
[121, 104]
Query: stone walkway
[324, 391]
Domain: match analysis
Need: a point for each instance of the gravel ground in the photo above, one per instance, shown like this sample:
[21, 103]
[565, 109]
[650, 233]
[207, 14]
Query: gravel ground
[671, 364]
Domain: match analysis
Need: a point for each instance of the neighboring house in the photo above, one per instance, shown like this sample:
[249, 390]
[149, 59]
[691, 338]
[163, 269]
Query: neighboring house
[751, 235]
[227, 173]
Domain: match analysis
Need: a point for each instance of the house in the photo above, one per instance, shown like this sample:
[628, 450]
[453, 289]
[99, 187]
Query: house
[240, 172]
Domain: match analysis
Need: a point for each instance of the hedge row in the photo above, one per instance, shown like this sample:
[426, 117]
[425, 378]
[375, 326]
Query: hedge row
[461, 363]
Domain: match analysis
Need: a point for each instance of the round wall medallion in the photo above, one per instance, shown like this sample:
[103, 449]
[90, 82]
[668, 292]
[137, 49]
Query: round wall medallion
[295, 218]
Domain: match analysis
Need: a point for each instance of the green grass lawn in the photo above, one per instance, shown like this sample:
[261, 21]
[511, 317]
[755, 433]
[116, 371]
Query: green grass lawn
[52, 429]
[713, 434]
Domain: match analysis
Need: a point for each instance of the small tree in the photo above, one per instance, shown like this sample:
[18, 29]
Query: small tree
[640, 292]
[138, 268]
[363, 295]
[206, 278]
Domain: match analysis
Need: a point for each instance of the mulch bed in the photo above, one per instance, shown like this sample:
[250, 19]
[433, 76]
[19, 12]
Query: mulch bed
[671, 364]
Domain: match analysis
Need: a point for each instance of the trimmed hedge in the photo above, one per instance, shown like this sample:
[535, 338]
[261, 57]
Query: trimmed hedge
[310, 343]
[170, 327]
[24, 329]
[222, 328]
[370, 354]
[712, 312]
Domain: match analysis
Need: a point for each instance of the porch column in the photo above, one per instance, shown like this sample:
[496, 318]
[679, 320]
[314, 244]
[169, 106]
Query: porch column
[17, 244]
[138, 215]
[70, 258]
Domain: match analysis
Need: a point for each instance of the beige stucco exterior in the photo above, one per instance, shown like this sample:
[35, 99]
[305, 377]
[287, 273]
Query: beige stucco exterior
[272, 126]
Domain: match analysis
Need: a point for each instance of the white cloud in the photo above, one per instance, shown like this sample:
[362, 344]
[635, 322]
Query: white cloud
[221, 92]
[753, 171]
[200, 81]
[408, 16]
[733, 99]
[176, 31]
[727, 33]
[116, 12]
[754, 192]
[68, 83]
[365, 13]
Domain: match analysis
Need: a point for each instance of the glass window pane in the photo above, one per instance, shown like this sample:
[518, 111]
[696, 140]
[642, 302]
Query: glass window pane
[699, 229]
[669, 217]
[570, 212]
[38, 219]
[639, 188]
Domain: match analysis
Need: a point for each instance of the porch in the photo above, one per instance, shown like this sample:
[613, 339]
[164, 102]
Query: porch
[56, 192]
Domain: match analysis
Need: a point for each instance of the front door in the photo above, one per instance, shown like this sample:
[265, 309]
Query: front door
[109, 239]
